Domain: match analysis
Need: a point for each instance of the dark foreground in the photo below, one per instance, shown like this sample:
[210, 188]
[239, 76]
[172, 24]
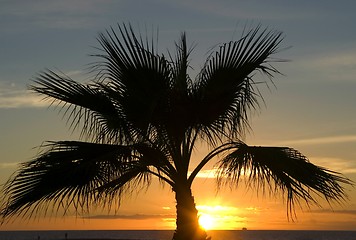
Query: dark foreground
[167, 235]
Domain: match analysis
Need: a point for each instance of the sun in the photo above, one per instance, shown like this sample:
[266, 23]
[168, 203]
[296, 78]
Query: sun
[206, 221]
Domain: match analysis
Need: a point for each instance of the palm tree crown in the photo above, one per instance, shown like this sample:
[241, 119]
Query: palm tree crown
[141, 118]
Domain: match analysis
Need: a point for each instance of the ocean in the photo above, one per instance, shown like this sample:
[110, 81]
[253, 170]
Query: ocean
[167, 235]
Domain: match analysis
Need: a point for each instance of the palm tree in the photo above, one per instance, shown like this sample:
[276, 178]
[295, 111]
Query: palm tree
[141, 118]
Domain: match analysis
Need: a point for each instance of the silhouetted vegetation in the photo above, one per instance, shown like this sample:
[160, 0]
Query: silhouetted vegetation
[141, 117]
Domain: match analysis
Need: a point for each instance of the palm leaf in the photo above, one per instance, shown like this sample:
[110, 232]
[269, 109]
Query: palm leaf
[282, 169]
[180, 106]
[180, 64]
[130, 67]
[144, 115]
[68, 173]
[225, 89]
[87, 104]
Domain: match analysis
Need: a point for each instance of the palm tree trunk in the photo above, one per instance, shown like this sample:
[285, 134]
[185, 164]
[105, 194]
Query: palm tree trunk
[187, 216]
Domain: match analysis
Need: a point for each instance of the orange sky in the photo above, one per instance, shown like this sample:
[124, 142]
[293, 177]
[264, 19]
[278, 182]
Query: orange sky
[228, 210]
[312, 109]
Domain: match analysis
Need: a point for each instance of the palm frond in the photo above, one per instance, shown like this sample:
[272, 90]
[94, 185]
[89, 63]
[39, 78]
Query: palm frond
[281, 169]
[86, 106]
[144, 115]
[129, 65]
[180, 77]
[148, 161]
[225, 90]
[129, 180]
[68, 173]
[181, 107]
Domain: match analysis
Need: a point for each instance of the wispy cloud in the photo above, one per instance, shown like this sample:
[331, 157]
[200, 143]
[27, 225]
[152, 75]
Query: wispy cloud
[336, 164]
[339, 164]
[337, 59]
[247, 10]
[8, 165]
[337, 65]
[342, 211]
[214, 173]
[208, 173]
[132, 217]
[322, 140]
[13, 96]
[17, 98]
[63, 14]
[217, 208]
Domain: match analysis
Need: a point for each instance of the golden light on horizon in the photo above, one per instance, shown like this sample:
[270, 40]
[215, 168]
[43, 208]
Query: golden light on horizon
[220, 217]
[207, 221]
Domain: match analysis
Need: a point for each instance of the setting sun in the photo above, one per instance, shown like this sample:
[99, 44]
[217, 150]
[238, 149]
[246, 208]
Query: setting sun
[218, 217]
[206, 221]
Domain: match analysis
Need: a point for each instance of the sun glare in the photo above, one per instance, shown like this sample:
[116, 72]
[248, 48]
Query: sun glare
[206, 221]
[219, 217]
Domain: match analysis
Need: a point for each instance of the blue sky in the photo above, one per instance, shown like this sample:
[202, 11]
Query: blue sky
[312, 108]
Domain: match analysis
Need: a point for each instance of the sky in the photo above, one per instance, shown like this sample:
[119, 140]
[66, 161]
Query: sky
[311, 107]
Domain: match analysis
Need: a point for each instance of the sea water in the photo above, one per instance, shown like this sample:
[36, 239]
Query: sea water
[167, 235]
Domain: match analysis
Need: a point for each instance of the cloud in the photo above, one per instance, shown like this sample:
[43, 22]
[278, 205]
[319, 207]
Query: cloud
[214, 172]
[247, 10]
[336, 164]
[217, 208]
[337, 59]
[342, 165]
[342, 211]
[8, 165]
[207, 173]
[132, 217]
[337, 65]
[12, 96]
[322, 140]
[63, 14]
[17, 98]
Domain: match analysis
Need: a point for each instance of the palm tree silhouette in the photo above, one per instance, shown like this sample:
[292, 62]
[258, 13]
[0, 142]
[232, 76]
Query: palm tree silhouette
[141, 118]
